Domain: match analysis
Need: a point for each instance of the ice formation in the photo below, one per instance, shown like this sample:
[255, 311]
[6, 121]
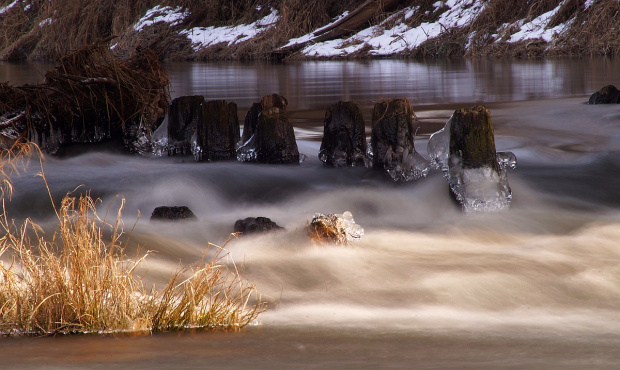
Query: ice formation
[405, 165]
[247, 150]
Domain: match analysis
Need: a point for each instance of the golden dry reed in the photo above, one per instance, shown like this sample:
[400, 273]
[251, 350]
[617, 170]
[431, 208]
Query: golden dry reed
[79, 280]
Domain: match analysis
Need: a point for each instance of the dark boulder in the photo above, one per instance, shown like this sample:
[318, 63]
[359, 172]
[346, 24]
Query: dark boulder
[166, 213]
[255, 225]
[184, 115]
[344, 136]
[218, 134]
[392, 141]
[606, 95]
[273, 138]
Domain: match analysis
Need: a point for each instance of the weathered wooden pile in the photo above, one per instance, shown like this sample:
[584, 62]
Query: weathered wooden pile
[90, 97]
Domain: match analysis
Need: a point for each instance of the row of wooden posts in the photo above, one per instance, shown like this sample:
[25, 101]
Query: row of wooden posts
[210, 131]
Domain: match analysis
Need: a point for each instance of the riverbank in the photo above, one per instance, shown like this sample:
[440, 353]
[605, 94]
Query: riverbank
[292, 29]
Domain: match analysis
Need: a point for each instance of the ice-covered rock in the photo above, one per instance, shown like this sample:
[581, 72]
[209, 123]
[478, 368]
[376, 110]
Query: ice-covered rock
[334, 228]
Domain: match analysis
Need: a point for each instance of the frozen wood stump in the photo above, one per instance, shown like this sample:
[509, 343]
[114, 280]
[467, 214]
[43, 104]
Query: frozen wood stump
[344, 136]
[465, 151]
[392, 141]
[268, 135]
[217, 136]
[472, 138]
[207, 129]
[184, 115]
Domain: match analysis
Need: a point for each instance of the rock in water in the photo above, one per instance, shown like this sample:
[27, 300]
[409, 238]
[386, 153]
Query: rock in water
[606, 95]
[218, 134]
[334, 228]
[392, 141]
[184, 115]
[165, 213]
[255, 225]
[344, 136]
[465, 151]
[273, 139]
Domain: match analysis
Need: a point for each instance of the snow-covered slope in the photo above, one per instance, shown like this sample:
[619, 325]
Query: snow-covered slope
[415, 28]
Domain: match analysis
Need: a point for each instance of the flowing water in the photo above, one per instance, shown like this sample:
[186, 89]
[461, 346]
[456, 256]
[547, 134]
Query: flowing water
[537, 286]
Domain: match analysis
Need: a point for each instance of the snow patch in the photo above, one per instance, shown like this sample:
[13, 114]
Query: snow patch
[400, 37]
[313, 34]
[202, 37]
[537, 27]
[45, 22]
[167, 14]
[8, 7]
[589, 3]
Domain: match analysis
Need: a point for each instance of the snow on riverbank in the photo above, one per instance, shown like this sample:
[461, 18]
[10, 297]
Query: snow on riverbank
[379, 28]
[390, 37]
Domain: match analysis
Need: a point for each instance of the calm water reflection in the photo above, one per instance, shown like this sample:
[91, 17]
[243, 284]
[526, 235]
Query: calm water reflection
[315, 85]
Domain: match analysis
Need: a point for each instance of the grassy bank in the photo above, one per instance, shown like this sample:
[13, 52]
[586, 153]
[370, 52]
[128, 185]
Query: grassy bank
[36, 29]
[78, 279]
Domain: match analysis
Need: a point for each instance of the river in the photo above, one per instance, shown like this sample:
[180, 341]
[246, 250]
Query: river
[426, 287]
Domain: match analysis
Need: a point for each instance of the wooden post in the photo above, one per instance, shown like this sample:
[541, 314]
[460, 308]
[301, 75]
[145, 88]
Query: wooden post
[184, 116]
[344, 136]
[218, 134]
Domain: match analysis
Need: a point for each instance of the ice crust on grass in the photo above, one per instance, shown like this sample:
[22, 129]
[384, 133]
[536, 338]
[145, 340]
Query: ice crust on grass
[477, 189]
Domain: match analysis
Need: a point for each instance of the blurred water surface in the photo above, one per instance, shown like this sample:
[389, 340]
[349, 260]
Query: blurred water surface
[537, 286]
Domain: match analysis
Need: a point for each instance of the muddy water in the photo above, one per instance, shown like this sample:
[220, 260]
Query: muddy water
[537, 286]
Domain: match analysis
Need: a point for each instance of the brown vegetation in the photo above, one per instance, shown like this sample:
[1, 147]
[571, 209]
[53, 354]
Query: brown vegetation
[80, 279]
[29, 34]
[89, 96]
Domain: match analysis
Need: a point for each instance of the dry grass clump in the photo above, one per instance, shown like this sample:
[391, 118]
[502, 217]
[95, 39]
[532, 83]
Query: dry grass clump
[53, 28]
[595, 31]
[80, 280]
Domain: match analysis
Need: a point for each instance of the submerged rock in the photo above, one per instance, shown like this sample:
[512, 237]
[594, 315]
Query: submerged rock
[606, 95]
[465, 151]
[272, 140]
[334, 228]
[392, 141]
[166, 213]
[255, 225]
[344, 136]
